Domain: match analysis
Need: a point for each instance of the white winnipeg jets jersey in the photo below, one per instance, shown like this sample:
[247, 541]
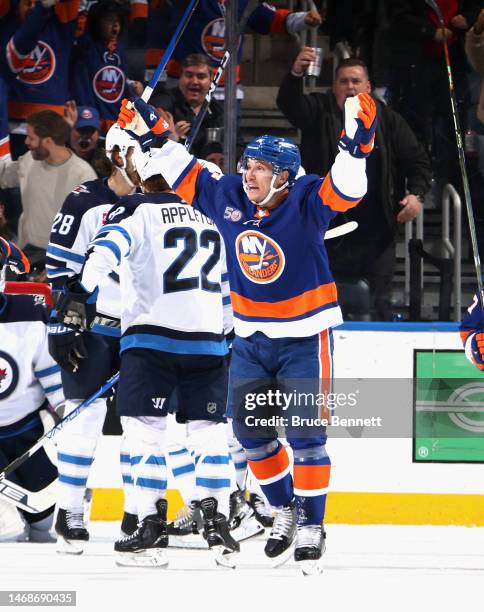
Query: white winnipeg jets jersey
[171, 274]
[28, 374]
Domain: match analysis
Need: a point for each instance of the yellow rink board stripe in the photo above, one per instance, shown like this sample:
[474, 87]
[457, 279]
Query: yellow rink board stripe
[348, 508]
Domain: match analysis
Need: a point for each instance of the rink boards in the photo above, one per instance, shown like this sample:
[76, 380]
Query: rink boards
[423, 466]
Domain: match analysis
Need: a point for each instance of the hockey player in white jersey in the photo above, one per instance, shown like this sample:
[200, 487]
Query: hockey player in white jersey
[89, 358]
[172, 339]
[30, 382]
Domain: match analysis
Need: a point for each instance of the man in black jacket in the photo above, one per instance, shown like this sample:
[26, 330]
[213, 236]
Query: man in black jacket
[185, 101]
[368, 252]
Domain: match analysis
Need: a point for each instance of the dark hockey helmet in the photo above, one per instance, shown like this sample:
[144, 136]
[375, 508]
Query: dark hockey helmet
[281, 153]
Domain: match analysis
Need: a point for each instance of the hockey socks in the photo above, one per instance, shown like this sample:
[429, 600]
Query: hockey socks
[270, 465]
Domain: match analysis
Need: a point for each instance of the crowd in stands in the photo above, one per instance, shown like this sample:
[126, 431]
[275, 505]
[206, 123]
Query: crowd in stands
[65, 66]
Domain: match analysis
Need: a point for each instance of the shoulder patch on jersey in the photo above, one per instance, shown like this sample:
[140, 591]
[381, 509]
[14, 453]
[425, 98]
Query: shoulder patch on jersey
[9, 374]
[260, 258]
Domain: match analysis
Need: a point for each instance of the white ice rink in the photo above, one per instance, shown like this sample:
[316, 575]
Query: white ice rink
[367, 568]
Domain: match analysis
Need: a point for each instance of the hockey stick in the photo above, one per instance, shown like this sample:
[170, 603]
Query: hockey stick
[341, 230]
[458, 137]
[30, 501]
[41, 500]
[148, 90]
[206, 103]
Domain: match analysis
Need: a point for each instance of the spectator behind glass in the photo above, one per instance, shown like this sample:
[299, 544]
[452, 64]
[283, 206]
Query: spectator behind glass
[419, 88]
[369, 252]
[213, 152]
[86, 124]
[36, 39]
[99, 63]
[184, 102]
[205, 32]
[46, 174]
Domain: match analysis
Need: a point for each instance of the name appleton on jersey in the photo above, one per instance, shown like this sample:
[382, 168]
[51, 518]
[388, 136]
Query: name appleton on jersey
[177, 214]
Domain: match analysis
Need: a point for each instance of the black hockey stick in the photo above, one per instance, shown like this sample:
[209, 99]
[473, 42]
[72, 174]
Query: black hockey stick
[458, 137]
[38, 501]
[206, 103]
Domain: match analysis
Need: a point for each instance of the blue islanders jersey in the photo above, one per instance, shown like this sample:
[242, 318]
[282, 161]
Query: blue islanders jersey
[82, 215]
[205, 32]
[99, 77]
[28, 374]
[472, 324]
[38, 56]
[278, 268]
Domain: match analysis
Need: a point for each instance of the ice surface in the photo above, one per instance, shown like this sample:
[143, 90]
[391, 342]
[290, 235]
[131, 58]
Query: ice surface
[367, 568]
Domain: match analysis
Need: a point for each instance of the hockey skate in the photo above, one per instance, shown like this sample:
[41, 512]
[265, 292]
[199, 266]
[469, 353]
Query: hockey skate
[310, 546]
[71, 532]
[216, 532]
[129, 524]
[278, 546]
[261, 510]
[242, 521]
[186, 529]
[146, 546]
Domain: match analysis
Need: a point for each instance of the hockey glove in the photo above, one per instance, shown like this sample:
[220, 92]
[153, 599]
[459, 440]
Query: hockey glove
[477, 349]
[76, 307]
[13, 257]
[143, 123]
[358, 135]
[66, 345]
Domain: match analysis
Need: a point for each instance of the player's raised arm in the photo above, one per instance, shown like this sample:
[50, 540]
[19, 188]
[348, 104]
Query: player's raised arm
[181, 169]
[346, 183]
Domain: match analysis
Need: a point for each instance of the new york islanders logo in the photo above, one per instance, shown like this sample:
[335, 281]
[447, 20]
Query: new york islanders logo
[213, 39]
[39, 66]
[260, 258]
[108, 83]
[8, 375]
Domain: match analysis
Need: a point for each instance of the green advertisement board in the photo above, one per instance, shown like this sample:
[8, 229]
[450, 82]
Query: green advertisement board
[448, 408]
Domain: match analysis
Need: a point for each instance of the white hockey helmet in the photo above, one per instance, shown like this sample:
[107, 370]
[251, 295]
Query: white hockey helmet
[146, 164]
[116, 136]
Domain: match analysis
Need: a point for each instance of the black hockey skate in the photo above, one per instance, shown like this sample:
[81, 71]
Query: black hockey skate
[242, 520]
[71, 532]
[188, 522]
[129, 524]
[216, 532]
[278, 546]
[262, 513]
[310, 546]
[145, 547]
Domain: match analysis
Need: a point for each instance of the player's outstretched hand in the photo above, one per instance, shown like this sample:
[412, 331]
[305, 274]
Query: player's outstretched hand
[143, 122]
[358, 135]
[76, 307]
[66, 345]
[13, 257]
[477, 348]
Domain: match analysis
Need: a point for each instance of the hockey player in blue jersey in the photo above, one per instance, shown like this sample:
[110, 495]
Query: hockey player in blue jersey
[472, 333]
[283, 295]
[87, 359]
[29, 382]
